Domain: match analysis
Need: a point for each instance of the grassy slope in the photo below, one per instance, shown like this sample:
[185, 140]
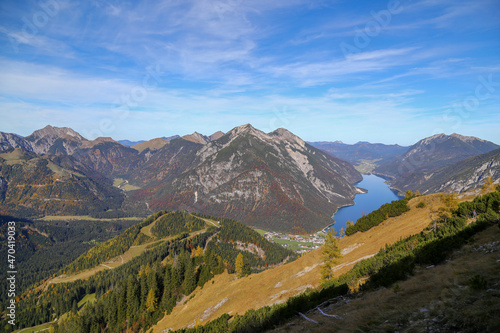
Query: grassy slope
[436, 297]
[230, 295]
[40, 328]
[132, 252]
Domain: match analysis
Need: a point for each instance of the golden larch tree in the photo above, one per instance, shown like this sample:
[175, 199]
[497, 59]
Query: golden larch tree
[331, 255]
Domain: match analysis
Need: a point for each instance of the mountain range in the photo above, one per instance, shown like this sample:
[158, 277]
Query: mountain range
[274, 181]
[361, 151]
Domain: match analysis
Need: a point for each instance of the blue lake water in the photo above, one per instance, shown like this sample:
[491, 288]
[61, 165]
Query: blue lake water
[378, 194]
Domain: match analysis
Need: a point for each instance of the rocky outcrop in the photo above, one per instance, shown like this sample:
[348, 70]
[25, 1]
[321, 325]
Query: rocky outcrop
[11, 140]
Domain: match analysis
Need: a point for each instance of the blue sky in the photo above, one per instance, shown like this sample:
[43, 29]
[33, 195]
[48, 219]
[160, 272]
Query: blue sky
[378, 71]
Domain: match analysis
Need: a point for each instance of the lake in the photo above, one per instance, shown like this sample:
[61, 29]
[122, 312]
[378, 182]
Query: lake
[378, 194]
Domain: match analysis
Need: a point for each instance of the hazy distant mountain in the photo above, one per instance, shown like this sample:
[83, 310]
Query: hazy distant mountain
[168, 138]
[458, 177]
[129, 143]
[362, 151]
[202, 139]
[272, 180]
[435, 152]
[430, 154]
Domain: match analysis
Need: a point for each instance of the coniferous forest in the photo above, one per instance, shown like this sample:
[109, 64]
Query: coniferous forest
[137, 294]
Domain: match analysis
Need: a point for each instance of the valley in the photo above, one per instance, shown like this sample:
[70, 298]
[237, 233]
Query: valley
[232, 166]
[189, 257]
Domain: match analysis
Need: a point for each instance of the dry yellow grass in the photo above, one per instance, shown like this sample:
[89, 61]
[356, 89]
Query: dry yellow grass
[131, 253]
[432, 293]
[230, 295]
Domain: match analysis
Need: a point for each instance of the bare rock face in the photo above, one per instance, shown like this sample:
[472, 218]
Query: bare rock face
[11, 140]
[48, 140]
[462, 176]
[273, 180]
[55, 140]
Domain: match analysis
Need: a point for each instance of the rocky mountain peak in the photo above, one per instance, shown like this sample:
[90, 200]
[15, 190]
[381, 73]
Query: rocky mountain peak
[57, 132]
[283, 134]
[55, 140]
[466, 138]
[247, 129]
[216, 135]
[197, 138]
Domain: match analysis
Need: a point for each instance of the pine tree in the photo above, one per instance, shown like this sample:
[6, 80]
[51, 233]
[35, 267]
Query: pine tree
[331, 255]
[167, 287]
[189, 278]
[132, 299]
[144, 290]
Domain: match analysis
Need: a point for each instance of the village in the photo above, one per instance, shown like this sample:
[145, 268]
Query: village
[297, 243]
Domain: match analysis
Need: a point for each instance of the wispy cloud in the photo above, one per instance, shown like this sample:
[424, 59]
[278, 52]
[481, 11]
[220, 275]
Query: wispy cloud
[227, 62]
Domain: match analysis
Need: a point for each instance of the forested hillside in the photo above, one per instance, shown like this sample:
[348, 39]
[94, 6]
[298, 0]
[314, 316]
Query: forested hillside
[31, 185]
[137, 293]
[44, 247]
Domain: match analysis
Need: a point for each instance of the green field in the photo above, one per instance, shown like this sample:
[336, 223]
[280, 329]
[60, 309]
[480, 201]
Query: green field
[123, 184]
[260, 231]
[293, 244]
[366, 166]
[87, 299]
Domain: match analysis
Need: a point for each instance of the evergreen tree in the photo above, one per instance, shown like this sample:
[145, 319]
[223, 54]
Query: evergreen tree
[144, 289]
[153, 282]
[189, 278]
[122, 305]
[167, 287]
[331, 255]
[133, 304]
